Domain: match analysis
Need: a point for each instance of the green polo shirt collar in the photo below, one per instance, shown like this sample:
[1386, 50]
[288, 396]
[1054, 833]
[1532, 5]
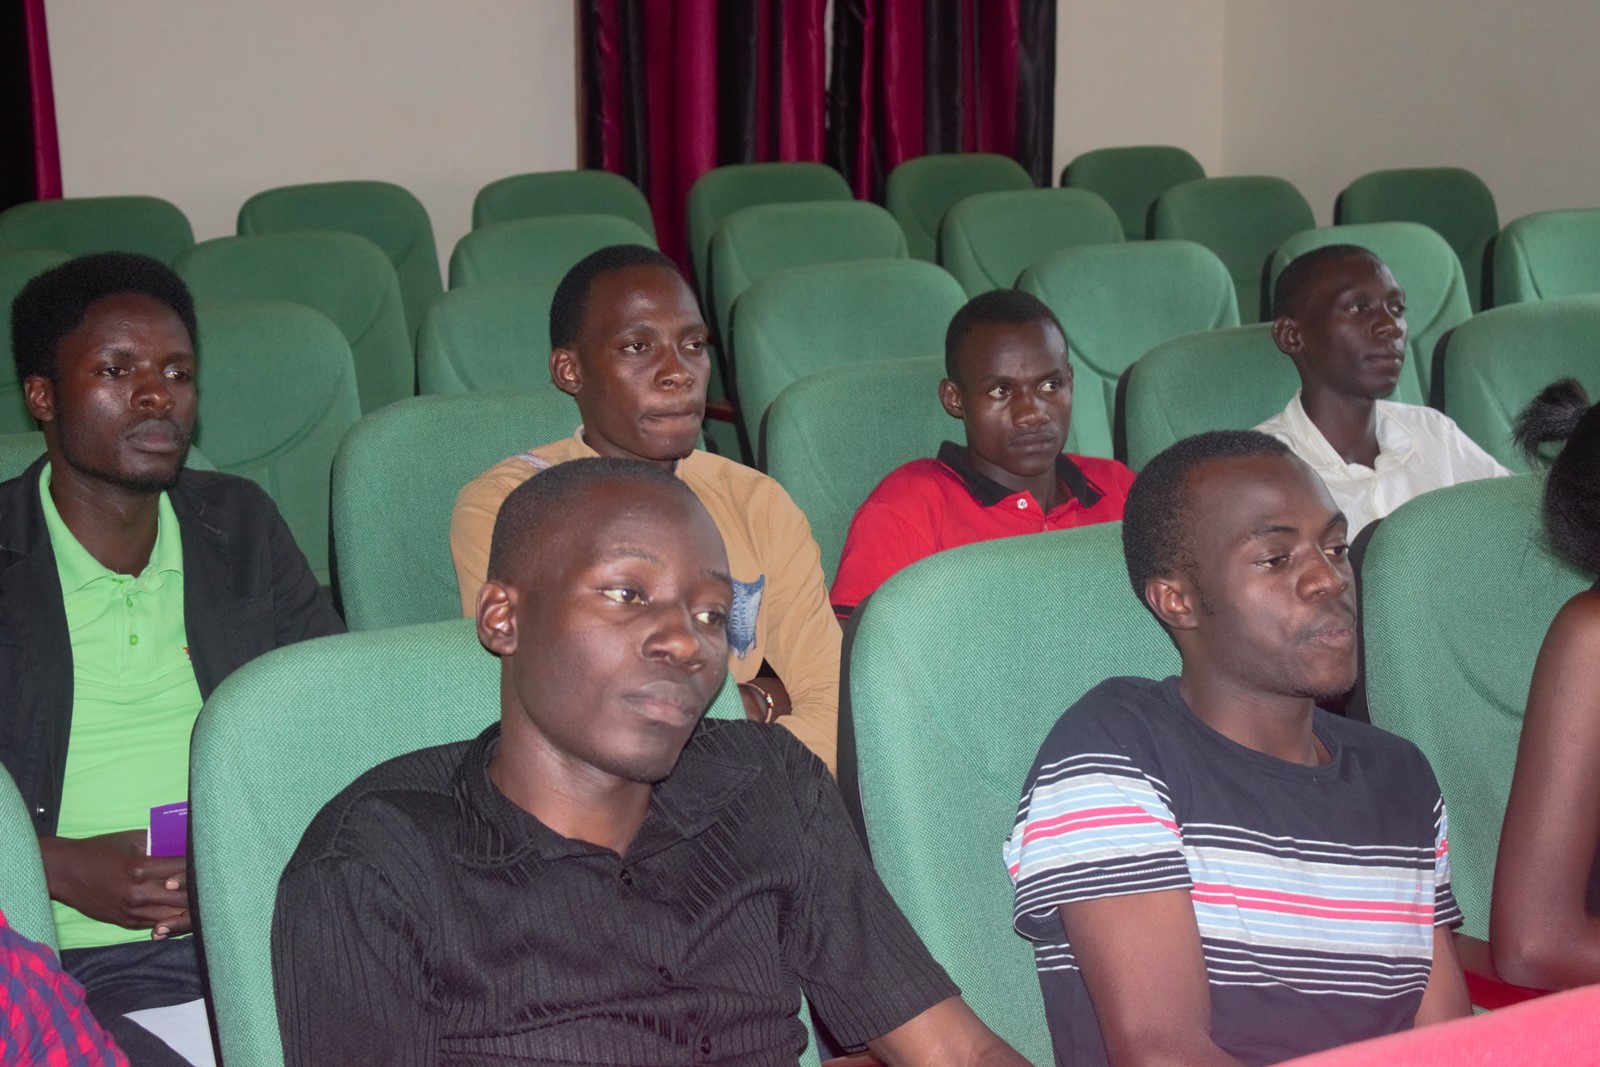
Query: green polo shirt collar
[77, 569]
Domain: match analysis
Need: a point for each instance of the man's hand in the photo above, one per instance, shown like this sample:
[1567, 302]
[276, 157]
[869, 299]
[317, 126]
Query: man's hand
[755, 707]
[109, 878]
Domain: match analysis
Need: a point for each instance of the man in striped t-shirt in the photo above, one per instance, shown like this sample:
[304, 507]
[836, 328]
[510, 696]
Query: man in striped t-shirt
[1213, 870]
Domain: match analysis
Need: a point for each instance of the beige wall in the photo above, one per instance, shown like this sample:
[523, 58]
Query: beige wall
[205, 102]
[1321, 93]
[1140, 72]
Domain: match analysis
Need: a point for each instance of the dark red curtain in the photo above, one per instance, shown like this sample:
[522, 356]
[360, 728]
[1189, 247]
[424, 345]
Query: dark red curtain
[672, 88]
[913, 77]
[30, 162]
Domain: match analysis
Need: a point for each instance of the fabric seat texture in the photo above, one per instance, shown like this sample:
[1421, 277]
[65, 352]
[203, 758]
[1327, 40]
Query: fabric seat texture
[538, 249]
[1118, 301]
[1546, 255]
[1453, 202]
[988, 240]
[1132, 178]
[23, 896]
[721, 191]
[80, 225]
[919, 192]
[486, 337]
[346, 277]
[562, 192]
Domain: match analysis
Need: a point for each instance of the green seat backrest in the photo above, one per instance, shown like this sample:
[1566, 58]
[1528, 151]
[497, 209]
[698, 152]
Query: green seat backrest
[256, 349]
[347, 278]
[920, 191]
[19, 450]
[562, 192]
[757, 242]
[1449, 200]
[1427, 269]
[721, 191]
[953, 691]
[486, 337]
[988, 240]
[23, 897]
[1131, 179]
[18, 266]
[1116, 302]
[83, 224]
[1243, 220]
[1498, 360]
[384, 213]
[1230, 379]
[277, 740]
[537, 250]
[395, 481]
[1547, 254]
[1457, 592]
[808, 319]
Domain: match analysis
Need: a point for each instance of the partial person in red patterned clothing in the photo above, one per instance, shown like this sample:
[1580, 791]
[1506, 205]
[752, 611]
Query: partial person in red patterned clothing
[43, 1020]
[1008, 380]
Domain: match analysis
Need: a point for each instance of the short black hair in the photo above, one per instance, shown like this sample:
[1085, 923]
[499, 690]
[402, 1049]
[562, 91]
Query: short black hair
[1295, 279]
[1562, 412]
[54, 303]
[544, 501]
[1011, 307]
[571, 300]
[1158, 513]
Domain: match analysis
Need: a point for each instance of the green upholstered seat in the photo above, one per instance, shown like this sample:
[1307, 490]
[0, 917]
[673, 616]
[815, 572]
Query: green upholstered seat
[988, 240]
[562, 192]
[277, 393]
[84, 224]
[920, 191]
[1498, 360]
[1132, 178]
[1547, 254]
[277, 740]
[807, 319]
[721, 191]
[953, 688]
[1230, 379]
[486, 337]
[1427, 269]
[537, 250]
[18, 450]
[395, 481]
[347, 278]
[18, 266]
[1449, 200]
[23, 896]
[1457, 592]
[1242, 219]
[384, 213]
[1116, 302]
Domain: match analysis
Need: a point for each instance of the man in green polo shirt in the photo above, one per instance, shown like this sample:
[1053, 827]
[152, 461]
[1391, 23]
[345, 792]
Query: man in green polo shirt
[129, 588]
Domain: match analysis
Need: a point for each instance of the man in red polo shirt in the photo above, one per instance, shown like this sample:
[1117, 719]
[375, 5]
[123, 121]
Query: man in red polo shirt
[1009, 382]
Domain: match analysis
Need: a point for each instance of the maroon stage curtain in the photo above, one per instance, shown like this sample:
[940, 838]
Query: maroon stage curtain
[30, 160]
[672, 88]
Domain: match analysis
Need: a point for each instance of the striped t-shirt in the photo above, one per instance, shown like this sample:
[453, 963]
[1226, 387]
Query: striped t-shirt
[1316, 889]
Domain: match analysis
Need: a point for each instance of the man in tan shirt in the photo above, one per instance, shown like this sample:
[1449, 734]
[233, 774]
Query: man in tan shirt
[631, 348]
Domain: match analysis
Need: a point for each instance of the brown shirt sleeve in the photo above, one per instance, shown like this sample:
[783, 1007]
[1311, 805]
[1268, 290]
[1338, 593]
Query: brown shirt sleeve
[472, 523]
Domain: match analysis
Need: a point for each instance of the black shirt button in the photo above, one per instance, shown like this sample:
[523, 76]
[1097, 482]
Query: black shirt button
[666, 975]
[705, 1045]
[627, 879]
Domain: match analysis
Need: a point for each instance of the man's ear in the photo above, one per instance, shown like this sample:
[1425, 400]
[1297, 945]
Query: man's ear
[40, 395]
[1286, 335]
[1174, 601]
[497, 618]
[565, 370]
[950, 397]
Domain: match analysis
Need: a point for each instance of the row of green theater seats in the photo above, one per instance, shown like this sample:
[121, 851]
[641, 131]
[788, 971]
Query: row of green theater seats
[266, 755]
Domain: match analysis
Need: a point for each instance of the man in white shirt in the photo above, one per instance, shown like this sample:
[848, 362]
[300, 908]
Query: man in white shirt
[1341, 316]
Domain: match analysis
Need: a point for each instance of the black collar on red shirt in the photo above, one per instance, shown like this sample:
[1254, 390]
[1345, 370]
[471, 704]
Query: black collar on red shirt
[988, 492]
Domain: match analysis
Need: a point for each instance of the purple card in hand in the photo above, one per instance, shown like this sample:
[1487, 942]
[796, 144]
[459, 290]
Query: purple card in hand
[169, 830]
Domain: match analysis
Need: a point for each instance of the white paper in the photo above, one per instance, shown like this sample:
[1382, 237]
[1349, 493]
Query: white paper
[183, 1026]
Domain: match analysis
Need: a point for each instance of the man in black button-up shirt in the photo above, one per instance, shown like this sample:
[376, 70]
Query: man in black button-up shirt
[602, 878]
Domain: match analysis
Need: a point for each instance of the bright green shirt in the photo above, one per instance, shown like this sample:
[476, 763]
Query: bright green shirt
[134, 696]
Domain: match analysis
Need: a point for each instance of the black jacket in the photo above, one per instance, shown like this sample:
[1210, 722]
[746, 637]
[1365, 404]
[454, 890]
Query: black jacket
[246, 590]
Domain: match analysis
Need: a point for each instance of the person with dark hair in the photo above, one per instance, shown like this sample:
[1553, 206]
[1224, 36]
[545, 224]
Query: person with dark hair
[1211, 868]
[631, 348]
[601, 876]
[1544, 919]
[129, 588]
[1008, 380]
[1339, 314]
